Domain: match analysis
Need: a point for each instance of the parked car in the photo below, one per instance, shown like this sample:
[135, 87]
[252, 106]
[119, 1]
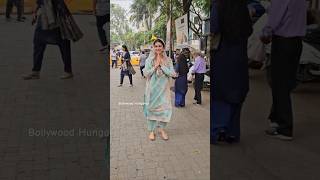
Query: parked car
[135, 57]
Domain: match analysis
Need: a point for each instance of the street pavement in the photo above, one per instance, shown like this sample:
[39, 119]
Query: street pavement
[77, 106]
[258, 157]
[185, 156]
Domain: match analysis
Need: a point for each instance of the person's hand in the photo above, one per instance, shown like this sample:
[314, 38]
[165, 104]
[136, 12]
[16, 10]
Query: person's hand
[34, 19]
[157, 63]
[265, 39]
[175, 74]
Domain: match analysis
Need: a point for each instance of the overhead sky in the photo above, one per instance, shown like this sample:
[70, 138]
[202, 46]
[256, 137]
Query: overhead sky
[123, 3]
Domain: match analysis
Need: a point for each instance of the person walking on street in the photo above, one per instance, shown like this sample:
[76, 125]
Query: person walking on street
[181, 83]
[9, 7]
[287, 21]
[101, 11]
[126, 64]
[232, 23]
[48, 31]
[157, 99]
[113, 58]
[198, 70]
[142, 62]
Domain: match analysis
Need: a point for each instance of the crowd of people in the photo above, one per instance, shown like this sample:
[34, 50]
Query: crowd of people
[231, 26]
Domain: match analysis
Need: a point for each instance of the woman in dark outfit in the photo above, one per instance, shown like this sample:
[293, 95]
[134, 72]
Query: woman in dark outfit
[125, 65]
[230, 68]
[181, 83]
[56, 26]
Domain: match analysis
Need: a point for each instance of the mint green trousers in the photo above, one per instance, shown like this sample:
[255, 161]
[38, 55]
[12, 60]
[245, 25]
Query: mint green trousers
[152, 125]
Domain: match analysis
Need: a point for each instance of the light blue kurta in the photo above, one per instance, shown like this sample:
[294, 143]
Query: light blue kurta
[157, 97]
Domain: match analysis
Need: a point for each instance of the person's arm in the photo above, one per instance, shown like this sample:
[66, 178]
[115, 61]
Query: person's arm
[168, 70]
[148, 69]
[94, 4]
[35, 12]
[196, 65]
[276, 11]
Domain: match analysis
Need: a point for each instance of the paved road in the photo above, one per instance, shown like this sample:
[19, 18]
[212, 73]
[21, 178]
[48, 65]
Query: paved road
[184, 157]
[51, 104]
[258, 157]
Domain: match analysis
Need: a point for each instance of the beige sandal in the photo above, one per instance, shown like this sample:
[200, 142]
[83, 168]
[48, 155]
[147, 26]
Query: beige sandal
[164, 135]
[152, 136]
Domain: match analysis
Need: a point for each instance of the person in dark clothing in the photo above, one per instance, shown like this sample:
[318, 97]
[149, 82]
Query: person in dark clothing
[142, 62]
[9, 7]
[199, 69]
[101, 11]
[231, 20]
[286, 27]
[48, 31]
[181, 83]
[125, 65]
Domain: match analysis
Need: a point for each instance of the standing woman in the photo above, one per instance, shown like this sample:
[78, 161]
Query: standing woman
[54, 25]
[230, 86]
[181, 83]
[157, 99]
[125, 66]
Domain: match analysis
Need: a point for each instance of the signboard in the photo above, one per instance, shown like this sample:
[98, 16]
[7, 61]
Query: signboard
[182, 29]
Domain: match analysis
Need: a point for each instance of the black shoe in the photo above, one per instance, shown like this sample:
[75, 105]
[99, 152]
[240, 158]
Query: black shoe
[222, 136]
[232, 139]
[33, 75]
[20, 20]
[273, 132]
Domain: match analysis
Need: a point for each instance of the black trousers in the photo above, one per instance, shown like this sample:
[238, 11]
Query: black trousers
[141, 70]
[18, 4]
[198, 85]
[101, 20]
[122, 77]
[41, 39]
[114, 62]
[285, 56]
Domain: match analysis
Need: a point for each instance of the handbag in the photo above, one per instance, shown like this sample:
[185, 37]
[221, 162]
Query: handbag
[131, 69]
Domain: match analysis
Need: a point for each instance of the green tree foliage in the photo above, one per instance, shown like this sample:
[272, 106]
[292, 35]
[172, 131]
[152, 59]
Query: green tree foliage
[143, 12]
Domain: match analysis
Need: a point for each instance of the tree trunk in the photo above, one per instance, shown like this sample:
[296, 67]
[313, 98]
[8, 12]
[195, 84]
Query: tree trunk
[186, 5]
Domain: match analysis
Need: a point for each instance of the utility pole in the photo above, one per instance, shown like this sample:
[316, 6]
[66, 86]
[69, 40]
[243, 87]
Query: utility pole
[170, 38]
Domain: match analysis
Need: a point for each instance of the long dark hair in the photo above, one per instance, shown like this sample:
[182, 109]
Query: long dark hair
[125, 48]
[234, 19]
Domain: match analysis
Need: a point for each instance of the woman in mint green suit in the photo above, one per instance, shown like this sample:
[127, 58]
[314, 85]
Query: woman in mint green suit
[157, 98]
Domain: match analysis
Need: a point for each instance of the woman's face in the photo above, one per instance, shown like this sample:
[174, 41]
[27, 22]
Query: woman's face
[158, 47]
